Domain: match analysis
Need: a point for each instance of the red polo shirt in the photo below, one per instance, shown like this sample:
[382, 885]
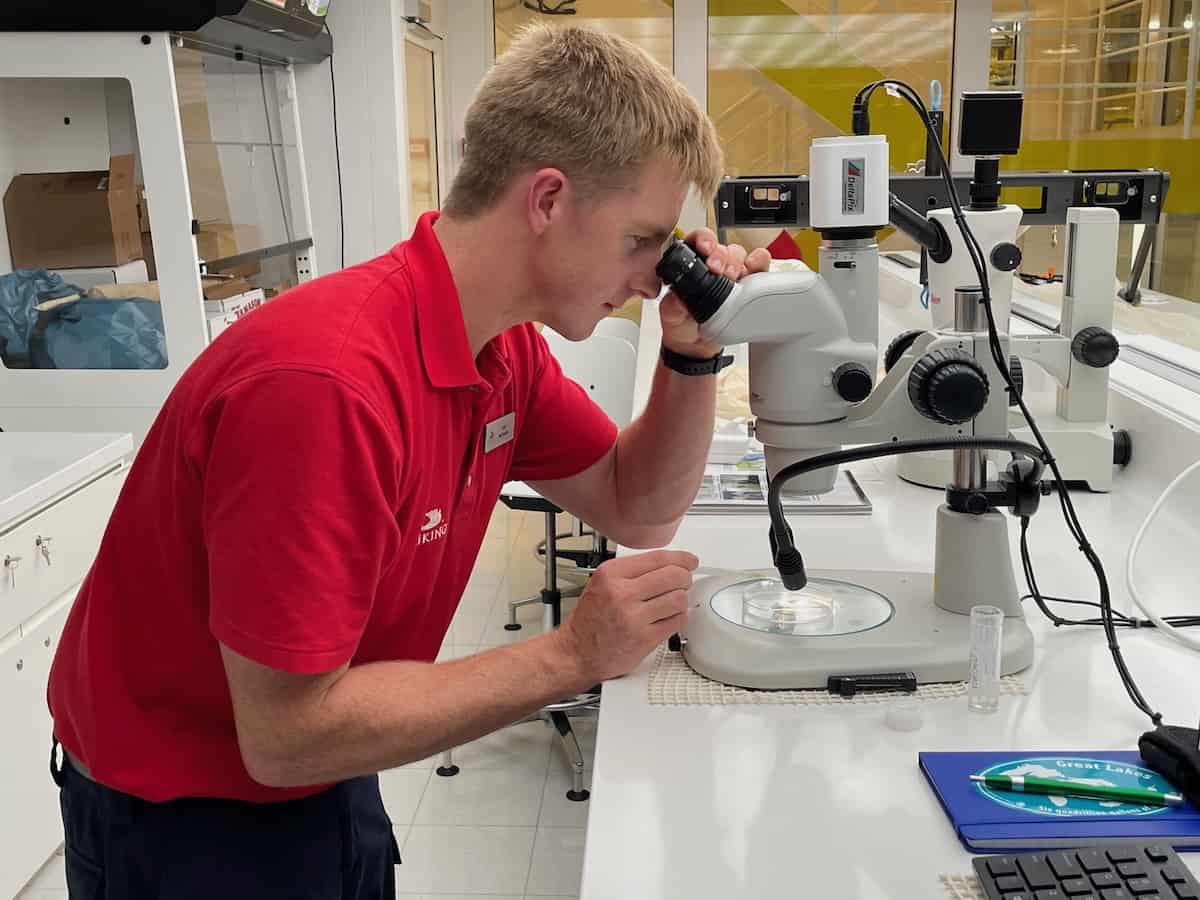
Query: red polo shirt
[314, 492]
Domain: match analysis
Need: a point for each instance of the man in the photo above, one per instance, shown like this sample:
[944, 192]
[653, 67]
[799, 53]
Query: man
[255, 638]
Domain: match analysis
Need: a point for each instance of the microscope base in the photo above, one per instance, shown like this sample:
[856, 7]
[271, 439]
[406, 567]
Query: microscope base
[1084, 451]
[919, 638]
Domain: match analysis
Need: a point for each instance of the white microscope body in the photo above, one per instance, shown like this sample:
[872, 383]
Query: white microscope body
[809, 397]
[1077, 356]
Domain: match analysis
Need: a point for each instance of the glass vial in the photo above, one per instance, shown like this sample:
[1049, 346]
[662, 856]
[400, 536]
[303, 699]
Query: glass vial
[983, 684]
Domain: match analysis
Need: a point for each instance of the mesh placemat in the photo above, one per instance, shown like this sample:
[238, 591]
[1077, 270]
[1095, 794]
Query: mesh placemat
[673, 683]
[962, 887]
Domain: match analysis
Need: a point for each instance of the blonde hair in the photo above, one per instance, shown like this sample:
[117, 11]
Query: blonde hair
[594, 105]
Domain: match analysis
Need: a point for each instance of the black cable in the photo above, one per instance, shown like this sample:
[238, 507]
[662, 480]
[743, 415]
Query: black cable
[337, 152]
[861, 121]
[262, 82]
[1120, 619]
[874, 451]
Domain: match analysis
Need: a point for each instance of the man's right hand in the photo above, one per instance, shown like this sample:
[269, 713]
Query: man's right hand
[629, 607]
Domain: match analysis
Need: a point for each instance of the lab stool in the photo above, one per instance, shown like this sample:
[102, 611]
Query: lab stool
[585, 562]
[557, 715]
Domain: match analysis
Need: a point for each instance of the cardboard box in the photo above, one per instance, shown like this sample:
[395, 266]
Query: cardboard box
[230, 311]
[143, 212]
[281, 288]
[217, 240]
[60, 220]
[131, 273]
[148, 256]
[147, 290]
[236, 306]
[206, 182]
[224, 288]
[191, 91]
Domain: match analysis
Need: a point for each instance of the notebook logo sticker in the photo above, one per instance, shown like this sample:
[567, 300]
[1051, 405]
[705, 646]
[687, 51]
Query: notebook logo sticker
[1078, 769]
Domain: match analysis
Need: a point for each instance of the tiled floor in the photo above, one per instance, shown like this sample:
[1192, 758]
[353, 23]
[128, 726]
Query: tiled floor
[503, 827]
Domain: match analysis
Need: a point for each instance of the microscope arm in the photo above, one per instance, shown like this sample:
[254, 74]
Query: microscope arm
[1051, 352]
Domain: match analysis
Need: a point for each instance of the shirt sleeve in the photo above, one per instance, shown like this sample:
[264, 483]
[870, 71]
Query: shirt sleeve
[300, 487]
[564, 430]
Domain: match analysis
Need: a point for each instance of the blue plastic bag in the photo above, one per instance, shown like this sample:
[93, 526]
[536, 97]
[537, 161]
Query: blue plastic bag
[100, 334]
[20, 292]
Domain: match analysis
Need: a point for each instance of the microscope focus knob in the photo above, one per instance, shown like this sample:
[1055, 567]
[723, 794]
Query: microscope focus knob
[853, 382]
[1017, 371]
[1006, 257]
[1096, 347]
[948, 386]
[977, 504]
[898, 347]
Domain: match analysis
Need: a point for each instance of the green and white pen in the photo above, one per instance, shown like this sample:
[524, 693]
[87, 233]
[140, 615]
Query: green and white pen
[1029, 784]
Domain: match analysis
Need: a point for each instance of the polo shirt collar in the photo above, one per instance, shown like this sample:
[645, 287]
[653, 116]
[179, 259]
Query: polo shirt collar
[441, 332]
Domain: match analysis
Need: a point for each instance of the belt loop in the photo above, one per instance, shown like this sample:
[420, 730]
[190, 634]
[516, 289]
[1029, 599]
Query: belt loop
[56, 766]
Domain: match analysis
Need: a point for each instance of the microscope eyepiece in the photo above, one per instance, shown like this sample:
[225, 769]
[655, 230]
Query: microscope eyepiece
[701, 291]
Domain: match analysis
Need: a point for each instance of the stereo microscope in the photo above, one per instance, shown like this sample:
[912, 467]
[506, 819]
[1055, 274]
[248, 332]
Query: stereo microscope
[813, 353]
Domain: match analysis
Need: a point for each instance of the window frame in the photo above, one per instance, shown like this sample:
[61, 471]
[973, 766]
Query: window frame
[973, 18]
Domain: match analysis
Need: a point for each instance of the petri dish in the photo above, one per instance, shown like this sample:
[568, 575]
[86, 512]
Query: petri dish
[824, 607]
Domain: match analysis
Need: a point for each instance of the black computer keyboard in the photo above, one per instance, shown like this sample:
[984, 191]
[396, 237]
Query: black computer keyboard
[1129, 870]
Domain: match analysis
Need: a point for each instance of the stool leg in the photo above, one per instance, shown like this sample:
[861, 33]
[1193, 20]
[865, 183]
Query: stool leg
[513, 605]
[551, 609]
[570, 747]
[447, 768]
[551, 595]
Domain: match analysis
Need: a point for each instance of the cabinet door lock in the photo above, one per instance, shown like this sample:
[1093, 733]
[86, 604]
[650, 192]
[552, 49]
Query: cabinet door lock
[10, 566]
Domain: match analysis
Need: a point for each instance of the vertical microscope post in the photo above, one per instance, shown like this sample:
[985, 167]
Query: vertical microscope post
[1088, 284]
[970, 465]
[972, 558]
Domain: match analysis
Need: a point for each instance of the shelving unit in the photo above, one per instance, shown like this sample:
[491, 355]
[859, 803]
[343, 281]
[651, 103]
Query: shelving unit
[217, 139]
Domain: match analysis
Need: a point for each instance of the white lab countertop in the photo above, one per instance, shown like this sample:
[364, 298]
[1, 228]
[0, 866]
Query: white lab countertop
[787, 801]
[765, 801]
[37, 465]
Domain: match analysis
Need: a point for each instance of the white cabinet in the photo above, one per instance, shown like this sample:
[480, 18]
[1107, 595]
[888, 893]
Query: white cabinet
[55, 516]
[30, 824]
[46, 554]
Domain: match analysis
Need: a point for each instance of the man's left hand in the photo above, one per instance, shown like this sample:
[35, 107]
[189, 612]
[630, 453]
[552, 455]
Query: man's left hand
[681, 333]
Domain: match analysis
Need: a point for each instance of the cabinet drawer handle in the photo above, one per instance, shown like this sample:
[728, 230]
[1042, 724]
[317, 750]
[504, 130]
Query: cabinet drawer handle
[43, 544]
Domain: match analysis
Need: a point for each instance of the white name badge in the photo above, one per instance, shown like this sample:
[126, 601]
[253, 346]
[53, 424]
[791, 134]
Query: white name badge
[499, 432]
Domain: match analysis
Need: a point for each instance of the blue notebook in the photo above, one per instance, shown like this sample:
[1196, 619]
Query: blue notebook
[988, 820]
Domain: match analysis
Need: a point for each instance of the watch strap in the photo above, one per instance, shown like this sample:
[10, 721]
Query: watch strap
[690, 365]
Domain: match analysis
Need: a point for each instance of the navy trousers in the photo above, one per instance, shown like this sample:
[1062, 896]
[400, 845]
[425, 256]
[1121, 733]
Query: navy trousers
[335, 845]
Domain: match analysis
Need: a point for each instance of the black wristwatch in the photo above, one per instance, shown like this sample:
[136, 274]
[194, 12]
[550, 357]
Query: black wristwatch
[690, 365]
